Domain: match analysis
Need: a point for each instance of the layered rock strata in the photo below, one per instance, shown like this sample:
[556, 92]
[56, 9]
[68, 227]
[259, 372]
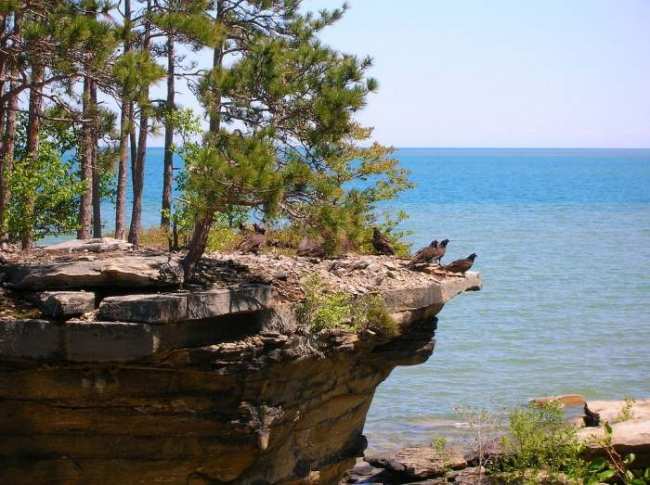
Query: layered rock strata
[216, 383]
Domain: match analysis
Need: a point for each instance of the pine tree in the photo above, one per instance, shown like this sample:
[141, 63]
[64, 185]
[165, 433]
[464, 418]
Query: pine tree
[126, 121]
[138, 162]
[184, 23]
[8, 108]
[282, 135]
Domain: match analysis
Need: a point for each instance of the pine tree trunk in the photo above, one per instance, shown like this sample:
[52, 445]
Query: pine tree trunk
[97, 195]
[137, 167]
[3, 75]
[197, 245]
[138, 163]
[86, 142]
[203, 223]
[168, 175]
[8, 141]
[33, 135]
[125, 123]
[132, 136]
[7, 158]
[120, 203]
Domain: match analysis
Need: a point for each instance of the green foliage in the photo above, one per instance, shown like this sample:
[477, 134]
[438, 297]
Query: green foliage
[371, 313]
[134, 71]
[321, 309]
[49, 181]
[626, 411]
[540, 439]
[615, 469]
[288, 144]
[540, 443]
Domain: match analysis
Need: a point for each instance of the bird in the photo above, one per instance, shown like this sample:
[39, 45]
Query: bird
[461, 265]
[381, 243]
[441, 250]
[591, 418]
[309, 248]
[425, 255]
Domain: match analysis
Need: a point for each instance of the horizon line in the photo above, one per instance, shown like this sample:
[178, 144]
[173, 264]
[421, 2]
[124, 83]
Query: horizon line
[495, 148]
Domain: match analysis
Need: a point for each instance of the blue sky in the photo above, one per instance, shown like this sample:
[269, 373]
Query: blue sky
[503, 73]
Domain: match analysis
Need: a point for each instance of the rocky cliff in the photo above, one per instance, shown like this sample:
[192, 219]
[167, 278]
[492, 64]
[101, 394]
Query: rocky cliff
[111, 374]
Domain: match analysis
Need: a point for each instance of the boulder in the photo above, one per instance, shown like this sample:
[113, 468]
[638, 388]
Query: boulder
[66, 304]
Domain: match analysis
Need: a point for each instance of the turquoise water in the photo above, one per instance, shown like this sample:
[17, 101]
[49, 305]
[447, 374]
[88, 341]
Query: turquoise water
[563, 238]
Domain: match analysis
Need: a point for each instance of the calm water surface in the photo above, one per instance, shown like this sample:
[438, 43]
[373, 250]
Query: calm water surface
[563, 238]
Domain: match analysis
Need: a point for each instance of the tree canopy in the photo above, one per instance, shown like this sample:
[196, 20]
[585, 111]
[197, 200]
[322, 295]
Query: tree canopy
[282, 141]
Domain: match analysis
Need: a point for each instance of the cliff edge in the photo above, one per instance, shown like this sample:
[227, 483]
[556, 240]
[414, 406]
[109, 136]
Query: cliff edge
[111, 374]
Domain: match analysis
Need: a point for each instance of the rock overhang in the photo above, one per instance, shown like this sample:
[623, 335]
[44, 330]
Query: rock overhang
[245, 392]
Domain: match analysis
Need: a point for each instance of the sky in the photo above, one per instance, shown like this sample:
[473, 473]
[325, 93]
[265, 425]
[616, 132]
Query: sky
[501, 73]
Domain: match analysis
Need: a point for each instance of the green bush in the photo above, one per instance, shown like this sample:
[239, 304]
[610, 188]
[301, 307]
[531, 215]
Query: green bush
[540, 439]
[321, 309]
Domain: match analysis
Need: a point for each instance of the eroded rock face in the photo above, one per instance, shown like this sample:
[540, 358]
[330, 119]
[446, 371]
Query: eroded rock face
[220, 384]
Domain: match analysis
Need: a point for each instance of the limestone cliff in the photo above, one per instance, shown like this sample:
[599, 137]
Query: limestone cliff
[124, 379]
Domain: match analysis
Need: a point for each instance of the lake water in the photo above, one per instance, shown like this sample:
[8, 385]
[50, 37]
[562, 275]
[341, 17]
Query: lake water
[563, 238]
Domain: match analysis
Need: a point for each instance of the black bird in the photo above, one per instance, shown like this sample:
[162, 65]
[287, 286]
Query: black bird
[381, 243]
[461, 265]
[309, 248]
[441, 250]
[591, 418]
[425, 255]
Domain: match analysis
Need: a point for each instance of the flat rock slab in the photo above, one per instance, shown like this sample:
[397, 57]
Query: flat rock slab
[97, 245]
[118, 272]
[420, 463]
[76, 341]
[436, 292]
[630, 422]
[180, 307]
[616, 411]
[66, 304]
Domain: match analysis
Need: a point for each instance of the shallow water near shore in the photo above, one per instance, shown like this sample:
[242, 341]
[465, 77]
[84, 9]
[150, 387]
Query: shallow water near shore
[563, 238]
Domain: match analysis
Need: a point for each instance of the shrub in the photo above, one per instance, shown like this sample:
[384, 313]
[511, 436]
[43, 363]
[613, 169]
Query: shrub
[372, 313]
[540, 439]
[321, 310]
[626, 412]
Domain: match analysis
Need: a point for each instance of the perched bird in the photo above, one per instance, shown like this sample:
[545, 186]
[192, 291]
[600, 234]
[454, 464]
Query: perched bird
[461, 265]
[441, 250]
[425, 255]
[381, 243]
[591, 418]
[309, 248]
